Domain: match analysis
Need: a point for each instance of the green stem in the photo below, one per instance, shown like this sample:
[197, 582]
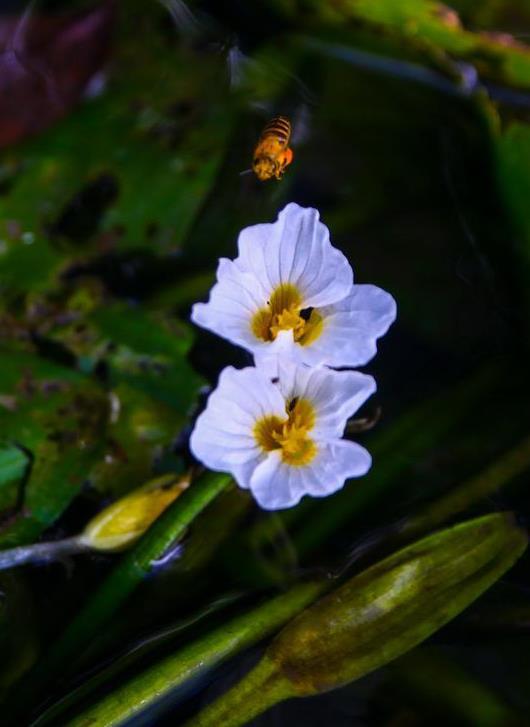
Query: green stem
[125, 577]
[263, 687]
[200, 656]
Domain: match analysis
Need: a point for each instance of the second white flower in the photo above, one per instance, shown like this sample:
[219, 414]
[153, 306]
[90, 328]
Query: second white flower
[282, 438]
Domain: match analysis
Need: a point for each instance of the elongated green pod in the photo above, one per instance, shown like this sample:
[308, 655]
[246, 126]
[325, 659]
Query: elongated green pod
[375, 617]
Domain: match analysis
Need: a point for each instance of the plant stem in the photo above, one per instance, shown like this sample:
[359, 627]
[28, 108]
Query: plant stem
[200, 656]
[126, 576]
[23, 554]
[263, 687]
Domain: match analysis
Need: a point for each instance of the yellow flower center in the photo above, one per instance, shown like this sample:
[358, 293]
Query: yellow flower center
[285, 312]
[290, 435]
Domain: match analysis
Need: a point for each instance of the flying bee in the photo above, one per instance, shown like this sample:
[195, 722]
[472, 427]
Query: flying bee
[272, 153]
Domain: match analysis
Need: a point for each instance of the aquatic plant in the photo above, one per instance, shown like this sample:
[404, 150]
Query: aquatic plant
[176, 501]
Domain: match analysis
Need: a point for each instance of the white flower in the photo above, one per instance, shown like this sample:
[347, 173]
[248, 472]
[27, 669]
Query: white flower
[281, 437]
[290, 294]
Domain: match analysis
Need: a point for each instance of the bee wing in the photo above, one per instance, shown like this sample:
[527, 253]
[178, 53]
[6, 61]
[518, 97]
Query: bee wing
[301, 125]
[239, 66]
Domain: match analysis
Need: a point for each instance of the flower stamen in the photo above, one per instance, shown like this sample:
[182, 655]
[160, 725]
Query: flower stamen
[285, 312]
[290, 434]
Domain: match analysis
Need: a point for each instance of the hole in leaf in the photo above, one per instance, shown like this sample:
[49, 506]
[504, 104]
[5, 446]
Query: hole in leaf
[82, 215]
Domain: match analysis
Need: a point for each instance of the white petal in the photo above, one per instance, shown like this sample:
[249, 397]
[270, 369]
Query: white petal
[233, 301]
[296, 249]
[276, 485]
[335, 395]
[223, 435]
[351, 328]
[283, 348]
[336, 462]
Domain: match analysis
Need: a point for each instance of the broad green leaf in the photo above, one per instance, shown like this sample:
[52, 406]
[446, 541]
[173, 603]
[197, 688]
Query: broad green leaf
[148, 352]
[13, 463]
[148, 147]
[65, 438]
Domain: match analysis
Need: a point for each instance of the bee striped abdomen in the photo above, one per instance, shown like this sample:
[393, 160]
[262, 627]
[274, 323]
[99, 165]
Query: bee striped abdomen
[272, 153]
[278, 126]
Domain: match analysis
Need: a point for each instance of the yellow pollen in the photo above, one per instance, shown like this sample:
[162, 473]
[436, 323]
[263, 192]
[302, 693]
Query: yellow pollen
[290, 435]
[283, 313]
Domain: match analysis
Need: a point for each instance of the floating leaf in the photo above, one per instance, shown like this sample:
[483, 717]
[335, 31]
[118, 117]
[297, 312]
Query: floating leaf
[13, 462]
[65, 440]
[148, 138]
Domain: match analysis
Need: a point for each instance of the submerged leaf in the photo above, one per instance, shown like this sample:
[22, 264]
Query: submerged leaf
[65, 439]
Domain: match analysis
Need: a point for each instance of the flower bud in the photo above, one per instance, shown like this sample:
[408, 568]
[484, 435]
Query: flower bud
[375, 617]
[122, 523]
[395, 604]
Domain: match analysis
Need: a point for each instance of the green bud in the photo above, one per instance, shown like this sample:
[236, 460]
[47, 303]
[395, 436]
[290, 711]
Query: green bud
[375, 617]
[124, 521]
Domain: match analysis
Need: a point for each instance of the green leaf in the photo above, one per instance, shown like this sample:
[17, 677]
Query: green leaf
[13, 463]
[197, 658]
[148, 352]
[149, 136]
[68, 446]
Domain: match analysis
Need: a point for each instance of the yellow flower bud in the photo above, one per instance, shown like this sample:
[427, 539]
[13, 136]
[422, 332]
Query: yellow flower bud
[122, 523]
